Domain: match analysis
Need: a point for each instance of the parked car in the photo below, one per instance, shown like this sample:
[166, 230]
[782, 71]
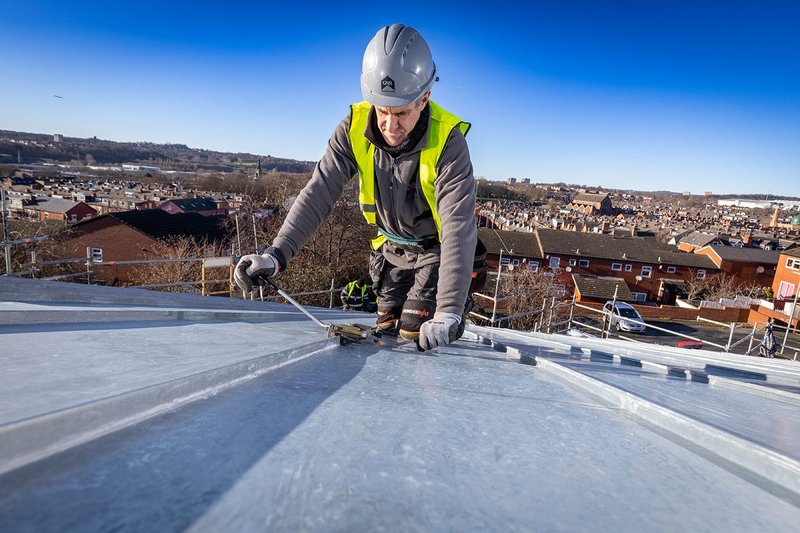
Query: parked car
[691, 345]
[624, 317]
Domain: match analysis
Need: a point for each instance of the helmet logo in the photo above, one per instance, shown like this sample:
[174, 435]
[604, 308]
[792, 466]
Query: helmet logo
[387, 85]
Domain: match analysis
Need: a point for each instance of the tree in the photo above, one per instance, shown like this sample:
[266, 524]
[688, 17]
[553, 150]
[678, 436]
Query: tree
[54, 232]
[189, 272]
[338, 251]
[526, 291]
[714, 287]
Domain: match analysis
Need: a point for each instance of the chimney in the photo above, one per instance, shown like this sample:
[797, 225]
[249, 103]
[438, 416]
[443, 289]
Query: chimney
[633, 230]
[746, 238]
[774, 221]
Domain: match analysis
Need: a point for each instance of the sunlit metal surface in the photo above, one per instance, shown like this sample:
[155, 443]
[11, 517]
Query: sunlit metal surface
[241, 416]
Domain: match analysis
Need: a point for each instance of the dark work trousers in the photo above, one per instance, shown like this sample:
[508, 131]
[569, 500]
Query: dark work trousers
[406, 282]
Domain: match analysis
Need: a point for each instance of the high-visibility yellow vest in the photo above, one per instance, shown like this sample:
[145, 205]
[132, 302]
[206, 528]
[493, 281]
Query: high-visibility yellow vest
[352, 285]
[441, 124]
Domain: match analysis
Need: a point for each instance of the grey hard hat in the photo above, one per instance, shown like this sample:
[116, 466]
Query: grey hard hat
[397, 67]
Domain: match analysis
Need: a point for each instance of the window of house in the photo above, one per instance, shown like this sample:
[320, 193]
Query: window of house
[583, 263]
[515, 262]
[701, 274]
[505, 261]
[786, 290]
[671, 269]
[792, 263]
[573, 262]
[628, 268]
[96, 254]
[639, 296]
[555, 262]
[533, 265]
[647, 271]
[616, 267]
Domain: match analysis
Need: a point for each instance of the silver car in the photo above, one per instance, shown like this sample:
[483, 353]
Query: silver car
[624, 317]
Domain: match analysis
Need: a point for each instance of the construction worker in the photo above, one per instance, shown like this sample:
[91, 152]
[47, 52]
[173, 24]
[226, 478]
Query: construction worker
[359, 296]
[416, 186]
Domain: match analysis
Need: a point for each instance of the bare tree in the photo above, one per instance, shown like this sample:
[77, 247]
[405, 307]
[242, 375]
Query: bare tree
[338, 251]
[186, 272]
[527, 291]
[715, 287]
[55, 232]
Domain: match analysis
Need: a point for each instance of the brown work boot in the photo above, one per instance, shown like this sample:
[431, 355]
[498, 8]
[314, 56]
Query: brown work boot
[388, 320]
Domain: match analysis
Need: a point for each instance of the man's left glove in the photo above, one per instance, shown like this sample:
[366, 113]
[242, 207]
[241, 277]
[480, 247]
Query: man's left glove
[252, 267]
[440, 330]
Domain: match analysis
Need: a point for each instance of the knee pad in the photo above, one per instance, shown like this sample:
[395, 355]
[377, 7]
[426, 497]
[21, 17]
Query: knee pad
[415, 313]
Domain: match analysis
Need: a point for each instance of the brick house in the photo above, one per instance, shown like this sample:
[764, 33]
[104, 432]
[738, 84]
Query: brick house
[519, 248]
[787, 275]
[747, 265]
[698, 239]
[134, 235]
[58, 209]
[592, 204]
[645, 265]
[785, 287]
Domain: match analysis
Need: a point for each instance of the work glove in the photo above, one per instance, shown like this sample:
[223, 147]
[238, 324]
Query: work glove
[440, 330]
[254, 269]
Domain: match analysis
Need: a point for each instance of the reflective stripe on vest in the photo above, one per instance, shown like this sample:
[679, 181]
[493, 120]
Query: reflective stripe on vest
[441, 124]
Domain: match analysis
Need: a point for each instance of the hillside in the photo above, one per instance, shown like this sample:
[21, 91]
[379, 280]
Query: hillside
[29, 148]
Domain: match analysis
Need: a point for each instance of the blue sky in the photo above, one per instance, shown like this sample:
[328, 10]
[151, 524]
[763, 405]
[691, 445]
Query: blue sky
[639, 94]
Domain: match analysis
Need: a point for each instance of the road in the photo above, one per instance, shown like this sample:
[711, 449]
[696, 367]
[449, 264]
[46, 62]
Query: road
[707, 333]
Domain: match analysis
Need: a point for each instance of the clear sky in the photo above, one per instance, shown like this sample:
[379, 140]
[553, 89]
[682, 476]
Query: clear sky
[651, 95]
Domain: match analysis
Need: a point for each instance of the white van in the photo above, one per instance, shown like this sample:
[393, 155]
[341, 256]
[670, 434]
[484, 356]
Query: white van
[624, 317]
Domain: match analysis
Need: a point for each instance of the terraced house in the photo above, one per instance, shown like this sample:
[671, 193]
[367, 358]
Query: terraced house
[650, 270]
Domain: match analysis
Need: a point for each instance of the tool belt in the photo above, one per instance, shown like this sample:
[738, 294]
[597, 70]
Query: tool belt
[409, 245]
[422, 246]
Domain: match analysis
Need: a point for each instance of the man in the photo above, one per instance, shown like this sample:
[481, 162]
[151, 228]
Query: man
[416, 186]
[359, 296]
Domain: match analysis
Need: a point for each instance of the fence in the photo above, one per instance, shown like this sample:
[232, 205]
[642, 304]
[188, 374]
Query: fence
[200, 286]
[546, 324]
[545, 313]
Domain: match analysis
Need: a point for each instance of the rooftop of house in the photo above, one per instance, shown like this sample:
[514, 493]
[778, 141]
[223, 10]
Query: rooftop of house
[158, 224]
[601, 287]
[586, 197]
[744, 255]
[194, 204]
[518, 243]
[573, 243]
[699, 238]
[52, 205]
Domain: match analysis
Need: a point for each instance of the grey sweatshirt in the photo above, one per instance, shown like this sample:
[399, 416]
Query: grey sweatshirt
[401, 206]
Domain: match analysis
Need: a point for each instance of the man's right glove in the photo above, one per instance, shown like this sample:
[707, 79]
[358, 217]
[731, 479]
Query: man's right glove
[440, 330]
[254, 269]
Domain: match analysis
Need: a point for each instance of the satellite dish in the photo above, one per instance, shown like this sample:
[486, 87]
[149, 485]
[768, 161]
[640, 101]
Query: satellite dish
[638, 278]
[569, 269]
[760, 270]
[510, 267]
